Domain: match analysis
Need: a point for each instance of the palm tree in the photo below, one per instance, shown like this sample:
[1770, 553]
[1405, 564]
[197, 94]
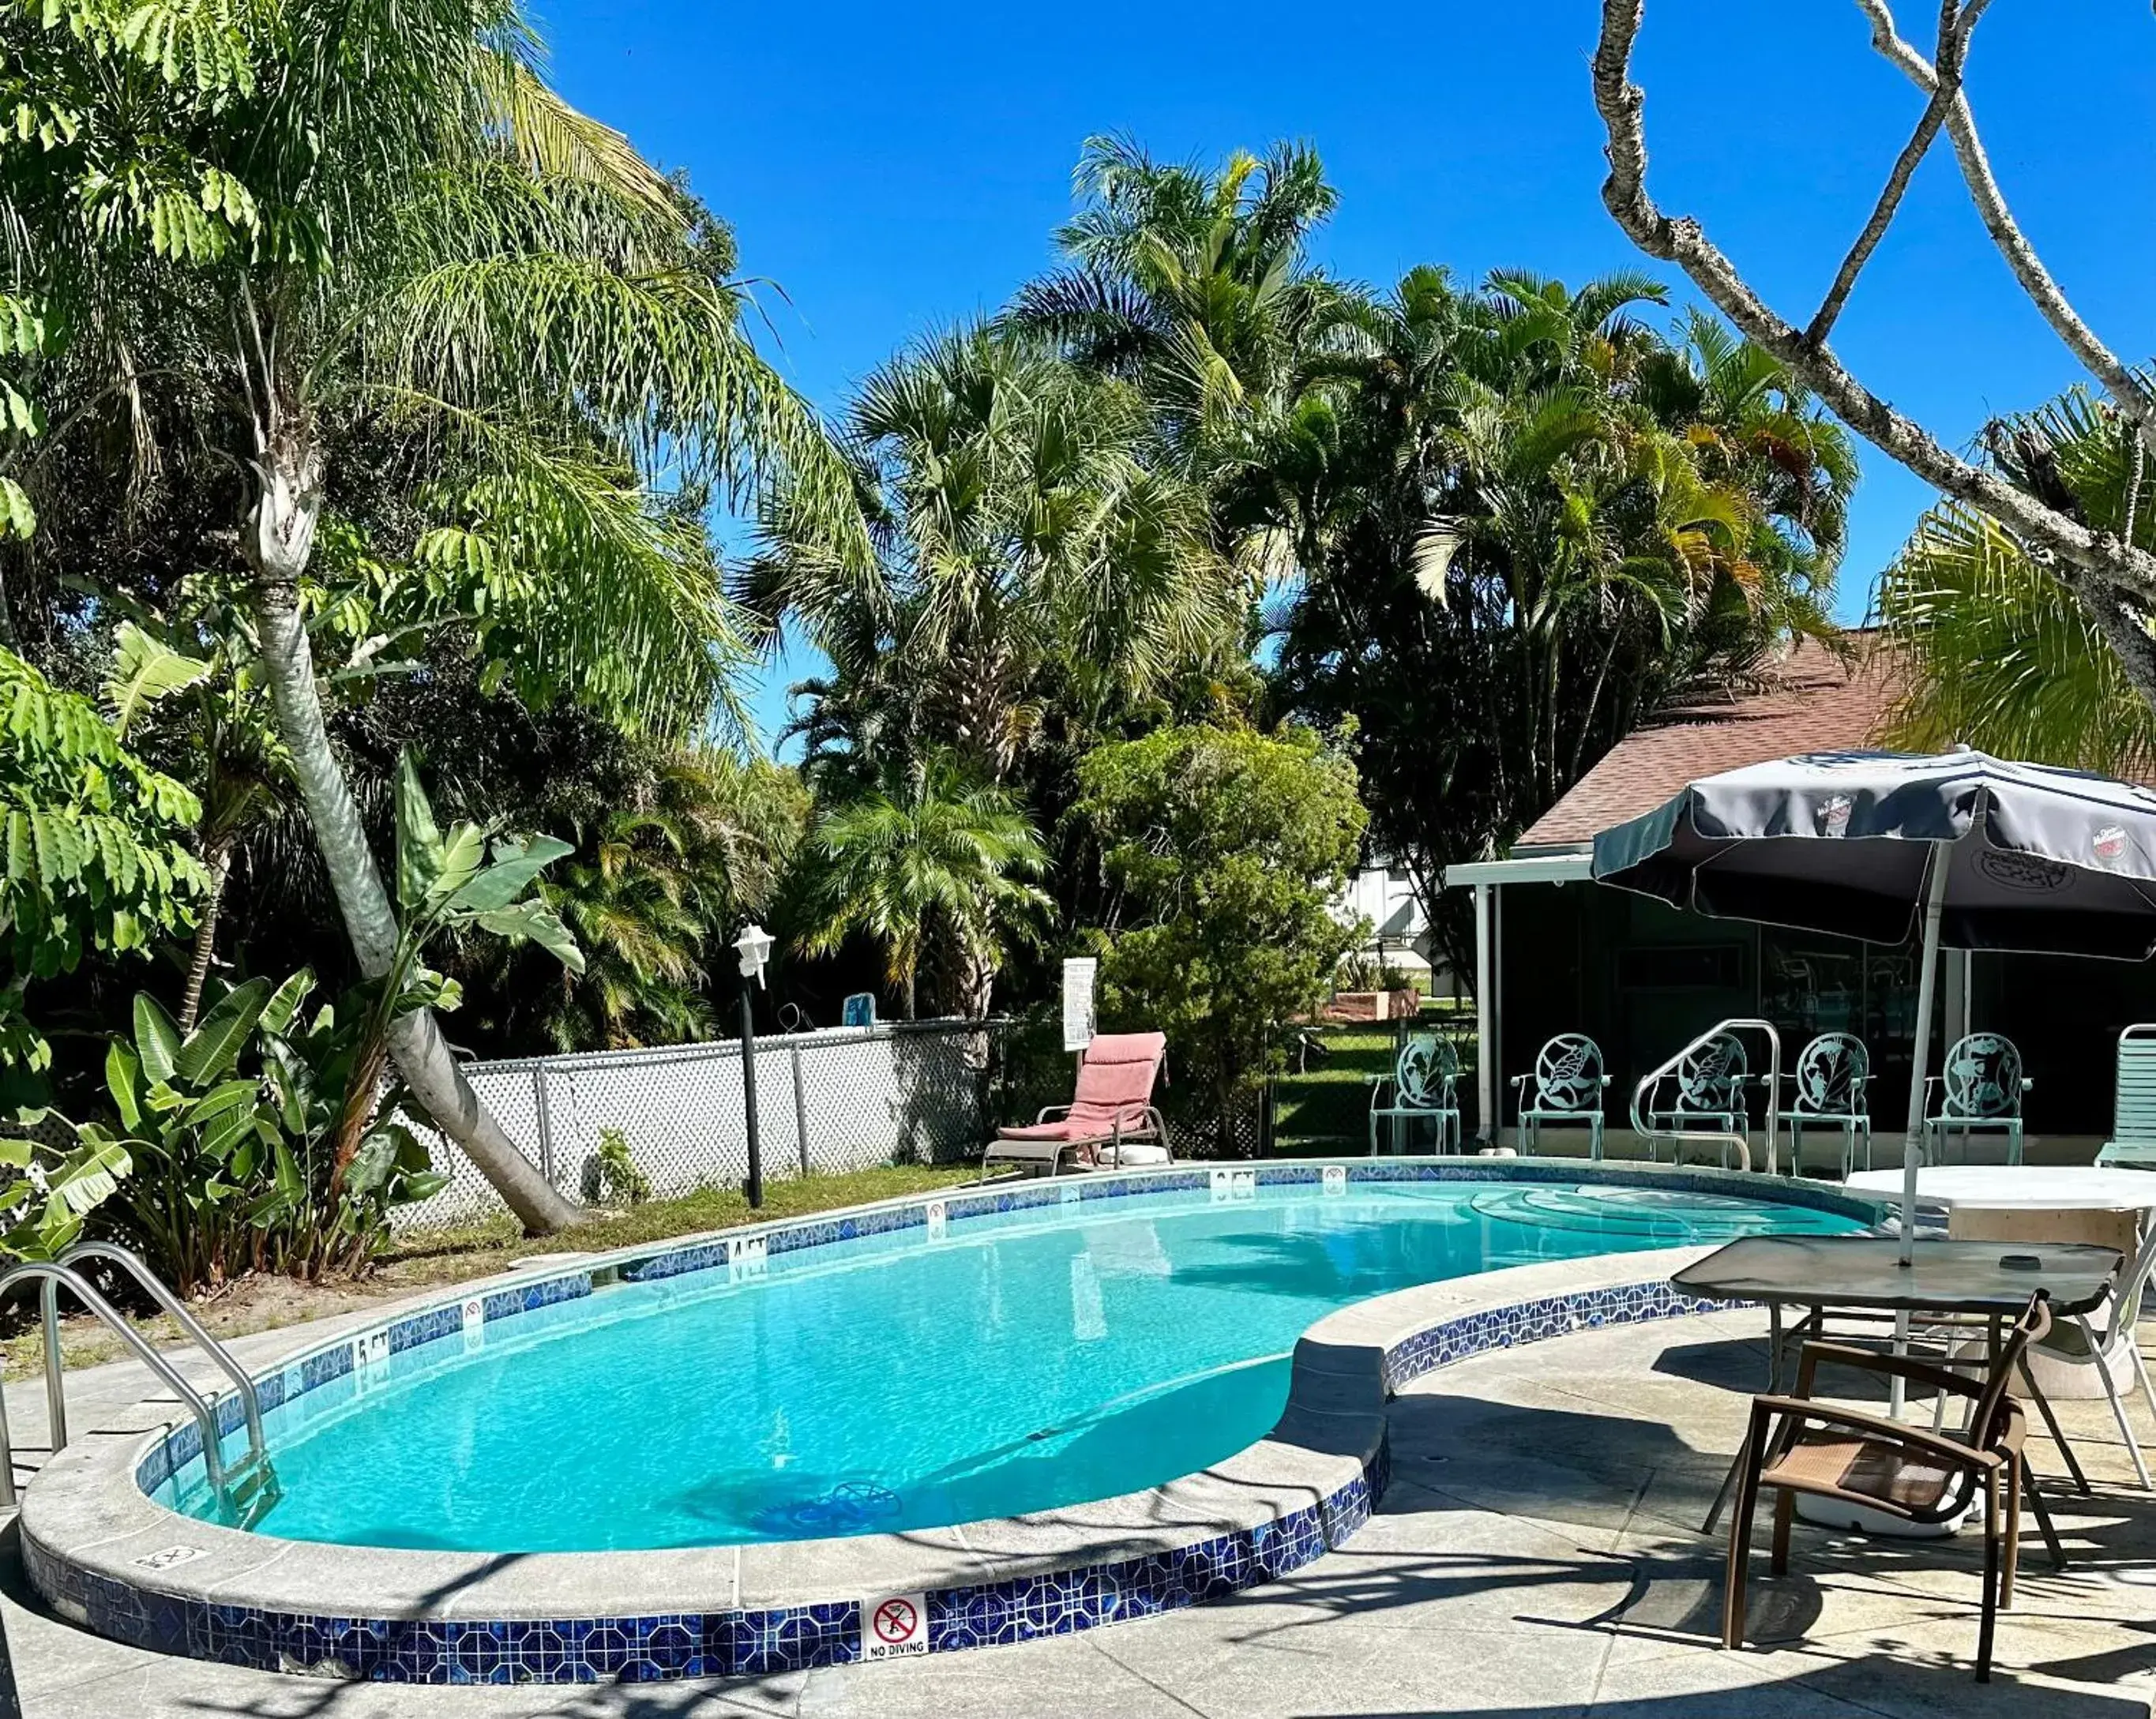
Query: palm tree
[383, 216]
[1523, 521]
[695, 844]
[1193, 285]
[1033, 554]
[932, 865]
[1993, 651]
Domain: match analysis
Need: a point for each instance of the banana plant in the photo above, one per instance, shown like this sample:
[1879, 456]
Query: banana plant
[310, 1072]
[199, 1128]
[43, 1206]
[231, 1128]
[447, 881]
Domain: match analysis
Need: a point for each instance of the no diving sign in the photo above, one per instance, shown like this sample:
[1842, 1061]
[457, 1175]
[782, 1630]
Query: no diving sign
[895, 1627]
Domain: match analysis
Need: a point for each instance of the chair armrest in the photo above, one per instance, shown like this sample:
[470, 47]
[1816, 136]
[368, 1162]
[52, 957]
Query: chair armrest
[1898, 1432]
[1517, 1081]
[1873, 1360]
[1606, 1079]
[2027, 1081]
[1050, 1111]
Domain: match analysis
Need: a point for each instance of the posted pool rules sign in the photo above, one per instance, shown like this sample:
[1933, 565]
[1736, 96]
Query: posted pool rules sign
[895, 1627]
[1078, 971]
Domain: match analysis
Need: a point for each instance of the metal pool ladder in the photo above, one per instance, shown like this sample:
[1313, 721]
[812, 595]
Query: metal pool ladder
[1670, 1069]
[247, 1489]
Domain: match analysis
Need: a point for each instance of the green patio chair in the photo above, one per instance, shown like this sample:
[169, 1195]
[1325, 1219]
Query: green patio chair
[1569, 1087]
[1980, 1087]
[1832, 1074]
[2133, 1114]
[1709, 1094]
[1425, 1075]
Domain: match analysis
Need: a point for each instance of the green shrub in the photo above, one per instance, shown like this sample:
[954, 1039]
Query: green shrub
[611, 1178]
[1225, 849]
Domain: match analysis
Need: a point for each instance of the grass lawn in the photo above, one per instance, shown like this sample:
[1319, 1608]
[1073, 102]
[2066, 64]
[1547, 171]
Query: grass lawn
[442, 1257]
[1325, 1110]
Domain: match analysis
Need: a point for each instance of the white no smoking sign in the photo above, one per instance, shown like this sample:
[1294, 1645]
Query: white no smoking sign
[895, 1627]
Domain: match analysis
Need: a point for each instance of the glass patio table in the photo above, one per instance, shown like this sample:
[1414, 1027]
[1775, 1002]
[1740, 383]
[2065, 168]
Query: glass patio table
[1973, 1280]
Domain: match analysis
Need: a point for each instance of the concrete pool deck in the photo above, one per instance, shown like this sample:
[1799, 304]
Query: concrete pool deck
[1536, 1553]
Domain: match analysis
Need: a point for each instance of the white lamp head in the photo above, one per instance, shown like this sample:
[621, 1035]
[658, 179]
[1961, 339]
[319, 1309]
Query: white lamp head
[753, 945]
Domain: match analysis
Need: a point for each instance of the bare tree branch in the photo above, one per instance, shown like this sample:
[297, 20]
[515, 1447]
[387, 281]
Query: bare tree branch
[2120, 617]
[1955, 24]
[2108, 572]
[2119, 382]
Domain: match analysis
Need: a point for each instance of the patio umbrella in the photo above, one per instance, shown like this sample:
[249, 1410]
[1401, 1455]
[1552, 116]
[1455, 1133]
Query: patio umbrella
[1971, 851]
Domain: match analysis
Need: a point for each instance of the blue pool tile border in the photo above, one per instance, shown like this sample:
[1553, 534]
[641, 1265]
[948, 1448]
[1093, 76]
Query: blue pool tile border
[744, 1642]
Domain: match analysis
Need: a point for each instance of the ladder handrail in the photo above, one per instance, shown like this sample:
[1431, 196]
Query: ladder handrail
[1669, 1066]
[134, 1265]
[114, 1320]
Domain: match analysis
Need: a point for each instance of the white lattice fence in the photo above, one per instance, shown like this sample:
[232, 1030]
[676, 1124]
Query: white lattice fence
[843, 1100]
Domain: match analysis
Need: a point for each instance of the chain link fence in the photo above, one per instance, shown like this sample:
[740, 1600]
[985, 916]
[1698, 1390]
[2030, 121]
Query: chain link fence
[843, 1099]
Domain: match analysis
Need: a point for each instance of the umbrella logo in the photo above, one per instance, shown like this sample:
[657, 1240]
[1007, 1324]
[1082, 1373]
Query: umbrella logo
[1834, 814]
[2108, 845]
[2023, 871]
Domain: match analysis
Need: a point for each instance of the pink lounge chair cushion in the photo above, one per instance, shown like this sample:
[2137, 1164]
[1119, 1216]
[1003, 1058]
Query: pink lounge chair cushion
[1115, 1088]
[1065, 1130]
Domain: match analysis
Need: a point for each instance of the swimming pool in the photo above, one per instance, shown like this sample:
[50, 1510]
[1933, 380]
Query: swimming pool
[1025, 1360]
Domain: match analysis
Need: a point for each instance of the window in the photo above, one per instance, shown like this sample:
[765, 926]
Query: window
[1682, 967]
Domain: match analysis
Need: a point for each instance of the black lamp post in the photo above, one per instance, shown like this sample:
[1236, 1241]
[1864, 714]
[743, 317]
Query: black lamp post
[753, 945]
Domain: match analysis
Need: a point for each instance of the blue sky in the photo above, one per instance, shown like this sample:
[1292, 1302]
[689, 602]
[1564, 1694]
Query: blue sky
[892, 169]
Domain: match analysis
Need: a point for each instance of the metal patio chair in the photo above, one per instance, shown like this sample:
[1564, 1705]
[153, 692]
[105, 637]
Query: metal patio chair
[1877, 1466]
[2133, 1109]
[1980, 1087]
[1832, 1074]
[2107, 1340]
[1568, 1084]
[1424, 1075]
[1709, 1094]
[1110, 1121]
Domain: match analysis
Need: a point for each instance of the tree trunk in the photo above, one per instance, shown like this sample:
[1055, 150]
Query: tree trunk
[976, 985]
[278, 542]
[220, 869]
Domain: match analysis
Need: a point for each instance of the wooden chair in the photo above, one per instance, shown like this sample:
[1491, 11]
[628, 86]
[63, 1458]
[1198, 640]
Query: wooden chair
[1890, 1469]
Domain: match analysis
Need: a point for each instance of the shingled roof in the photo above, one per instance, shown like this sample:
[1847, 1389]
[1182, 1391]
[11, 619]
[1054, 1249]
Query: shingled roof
[1815, 701]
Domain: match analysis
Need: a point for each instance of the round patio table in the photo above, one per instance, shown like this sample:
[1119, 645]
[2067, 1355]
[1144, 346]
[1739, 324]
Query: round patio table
[2017, 1187]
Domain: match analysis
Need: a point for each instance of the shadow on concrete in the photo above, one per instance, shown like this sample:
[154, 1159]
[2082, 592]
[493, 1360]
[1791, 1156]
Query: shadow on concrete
[1848, 1688]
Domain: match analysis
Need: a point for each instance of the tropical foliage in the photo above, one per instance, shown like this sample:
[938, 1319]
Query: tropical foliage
[266, 1139]
[1994, 651]
[933, 867]
[1224, 850]
[1527, 525]
[1040, 568]
[382, 226]
[368, 415]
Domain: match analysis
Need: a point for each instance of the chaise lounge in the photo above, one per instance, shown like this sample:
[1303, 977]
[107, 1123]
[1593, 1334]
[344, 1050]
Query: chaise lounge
[1110, 1123]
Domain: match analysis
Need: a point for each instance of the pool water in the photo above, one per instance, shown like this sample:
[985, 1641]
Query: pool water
[1038, 1358]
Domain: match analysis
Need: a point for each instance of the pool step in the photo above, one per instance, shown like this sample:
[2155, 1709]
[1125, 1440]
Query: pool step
[251, 1488]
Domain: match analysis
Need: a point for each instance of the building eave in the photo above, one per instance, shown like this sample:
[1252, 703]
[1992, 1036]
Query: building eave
[1560, 865]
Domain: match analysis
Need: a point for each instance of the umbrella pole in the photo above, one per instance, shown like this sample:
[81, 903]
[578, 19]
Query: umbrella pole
[1913, 1148]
